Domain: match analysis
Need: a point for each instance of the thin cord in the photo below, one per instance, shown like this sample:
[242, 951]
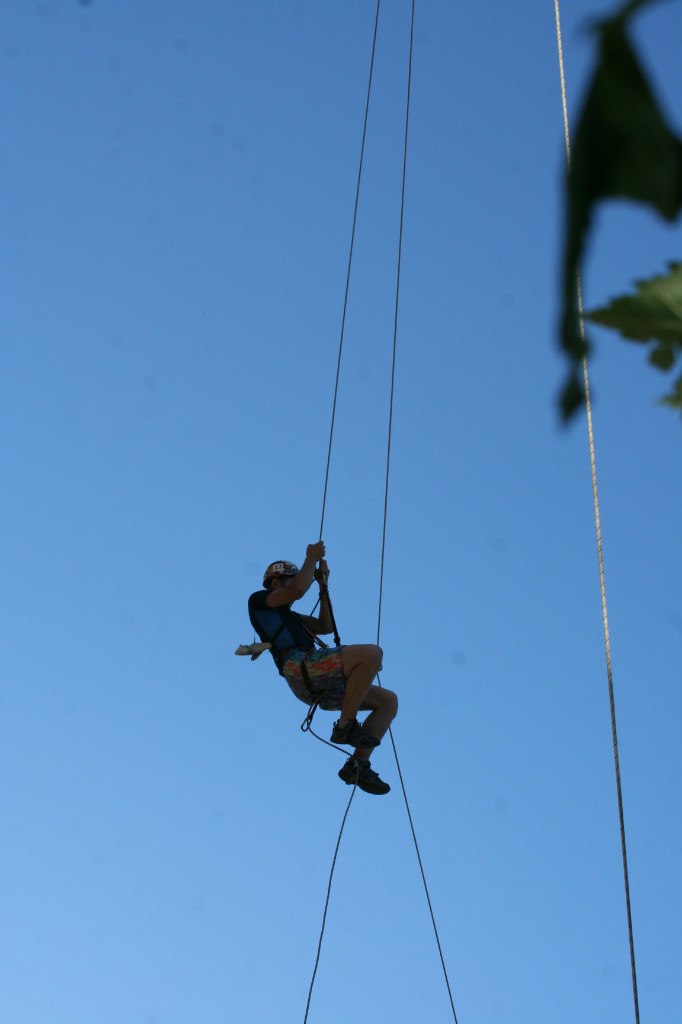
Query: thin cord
[600, 553]
[329, 890]
[423, 874]
[326, 478]
[395, 325]
[306, 726]
[385, 519]
[350, 264]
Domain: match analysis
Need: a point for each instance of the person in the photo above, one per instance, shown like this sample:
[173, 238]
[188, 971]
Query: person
[341, 678]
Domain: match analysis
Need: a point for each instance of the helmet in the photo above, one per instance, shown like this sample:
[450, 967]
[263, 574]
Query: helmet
[279, 569]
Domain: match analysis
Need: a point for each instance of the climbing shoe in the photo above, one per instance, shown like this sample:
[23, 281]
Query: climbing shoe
[352, 735]
[367, 779]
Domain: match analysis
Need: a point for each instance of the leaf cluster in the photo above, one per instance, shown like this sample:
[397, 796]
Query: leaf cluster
[653, 314]
[623, 149]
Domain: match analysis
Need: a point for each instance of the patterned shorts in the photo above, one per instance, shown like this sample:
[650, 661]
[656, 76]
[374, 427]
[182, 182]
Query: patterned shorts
[325, 672]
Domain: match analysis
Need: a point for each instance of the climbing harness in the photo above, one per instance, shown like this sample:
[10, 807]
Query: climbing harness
[600, 552]
[289, 569]
[255, 649]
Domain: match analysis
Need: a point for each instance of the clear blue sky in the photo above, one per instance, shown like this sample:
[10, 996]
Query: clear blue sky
[177, 192]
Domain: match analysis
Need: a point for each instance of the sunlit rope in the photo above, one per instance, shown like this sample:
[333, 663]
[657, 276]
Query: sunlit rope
[600, 553]
[350, 264]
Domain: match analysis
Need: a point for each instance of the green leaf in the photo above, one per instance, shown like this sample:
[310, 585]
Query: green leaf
[654, 312]
[622, 148]
[674, 399]
[663, 357]
[572, 396]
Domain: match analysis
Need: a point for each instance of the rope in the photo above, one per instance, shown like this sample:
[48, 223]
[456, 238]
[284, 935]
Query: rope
[424, 882]
[306, 725]
[350, 264]
[600, 553]
[395, 324]
[329, 890]
[385, 517]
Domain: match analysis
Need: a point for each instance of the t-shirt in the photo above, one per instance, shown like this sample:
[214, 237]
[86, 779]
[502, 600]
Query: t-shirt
[279, 626]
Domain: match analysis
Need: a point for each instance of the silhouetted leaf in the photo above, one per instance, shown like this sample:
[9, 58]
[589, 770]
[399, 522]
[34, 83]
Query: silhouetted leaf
[663, 357]
[622, 148]
[572, 395]
[654, 312]
[675, 397]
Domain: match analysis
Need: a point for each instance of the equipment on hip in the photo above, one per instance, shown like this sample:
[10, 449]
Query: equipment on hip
[255, 650]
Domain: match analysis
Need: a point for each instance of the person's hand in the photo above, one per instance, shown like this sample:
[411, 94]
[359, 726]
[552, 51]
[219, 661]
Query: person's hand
[322, 573]
[315, 552]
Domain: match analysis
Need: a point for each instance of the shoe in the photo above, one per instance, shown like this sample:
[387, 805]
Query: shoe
[352, 735]
[361, 773]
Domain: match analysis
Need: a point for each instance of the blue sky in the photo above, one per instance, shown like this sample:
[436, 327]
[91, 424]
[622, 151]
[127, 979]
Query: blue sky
[177, 190]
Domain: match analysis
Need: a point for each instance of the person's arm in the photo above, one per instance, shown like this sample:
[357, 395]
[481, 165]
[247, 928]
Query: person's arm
[322, 624]
[324, 619]
[300, 584]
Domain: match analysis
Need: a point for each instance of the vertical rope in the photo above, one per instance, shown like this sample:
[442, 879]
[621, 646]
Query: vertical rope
[386, 492]
[600, 553]
[329, 455]
[326, 905]
[387, 477]
[350, 264]
[395, 324]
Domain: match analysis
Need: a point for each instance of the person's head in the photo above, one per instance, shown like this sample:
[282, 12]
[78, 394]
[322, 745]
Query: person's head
[278, 574]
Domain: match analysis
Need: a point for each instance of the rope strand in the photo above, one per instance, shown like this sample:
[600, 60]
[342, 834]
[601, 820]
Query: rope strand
[385, 519]
[395, 324]
[600, 552]
[350, 264]
[326, 905]
[306, 726]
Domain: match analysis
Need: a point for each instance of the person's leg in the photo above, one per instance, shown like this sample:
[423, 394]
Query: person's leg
[360, 662]
[383, 705]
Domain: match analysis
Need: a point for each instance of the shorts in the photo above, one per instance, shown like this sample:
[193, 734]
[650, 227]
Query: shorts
[325, 671]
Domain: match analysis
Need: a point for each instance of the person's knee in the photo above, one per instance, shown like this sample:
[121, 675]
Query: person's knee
[376, 657]
[391, 702]
[386, 700]
[369, 656]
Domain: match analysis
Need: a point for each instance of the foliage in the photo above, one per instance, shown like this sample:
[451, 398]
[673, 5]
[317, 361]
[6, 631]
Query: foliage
[654, 313]
[624, 149]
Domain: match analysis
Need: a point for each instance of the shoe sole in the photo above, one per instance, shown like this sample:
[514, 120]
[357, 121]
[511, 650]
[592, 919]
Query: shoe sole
[362, 741]
[365, 788]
